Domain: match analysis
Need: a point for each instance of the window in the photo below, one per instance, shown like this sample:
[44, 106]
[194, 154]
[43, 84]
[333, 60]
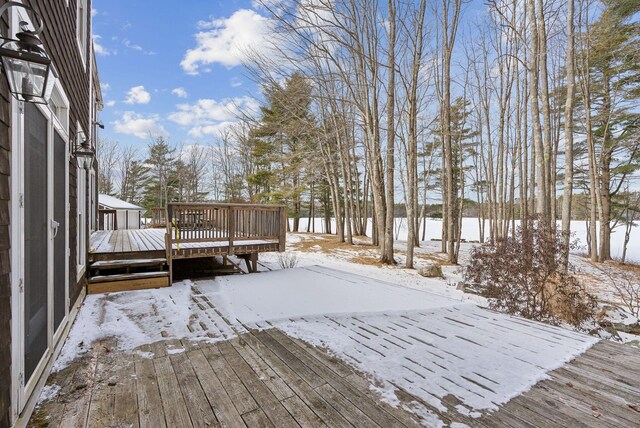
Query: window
[81, 28]
[60, 108]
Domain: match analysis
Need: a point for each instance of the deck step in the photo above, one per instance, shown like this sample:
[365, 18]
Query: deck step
[127, 276]
[133, 282]
[115, 264]
[127, 282]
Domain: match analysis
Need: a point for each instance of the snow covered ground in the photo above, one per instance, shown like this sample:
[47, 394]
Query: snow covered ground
[471, 232]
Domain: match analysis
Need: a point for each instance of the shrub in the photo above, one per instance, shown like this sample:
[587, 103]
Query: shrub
[287, 260]
[524, 275]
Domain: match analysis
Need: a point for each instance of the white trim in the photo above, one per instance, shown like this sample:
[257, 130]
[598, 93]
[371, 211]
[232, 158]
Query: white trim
[17, 240]
[82, 34]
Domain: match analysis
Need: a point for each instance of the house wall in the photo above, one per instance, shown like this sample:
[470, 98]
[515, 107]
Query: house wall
[5, 268]
[59, 39]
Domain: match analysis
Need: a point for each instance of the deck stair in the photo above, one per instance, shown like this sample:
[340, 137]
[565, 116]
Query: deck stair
[121, 275]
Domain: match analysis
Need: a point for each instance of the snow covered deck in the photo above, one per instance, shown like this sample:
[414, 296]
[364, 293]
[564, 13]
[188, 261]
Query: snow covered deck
[150, 243]
[239, 351]
[107, 244]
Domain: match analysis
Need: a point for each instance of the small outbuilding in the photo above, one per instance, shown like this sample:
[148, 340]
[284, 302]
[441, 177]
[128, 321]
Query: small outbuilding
[117, 214]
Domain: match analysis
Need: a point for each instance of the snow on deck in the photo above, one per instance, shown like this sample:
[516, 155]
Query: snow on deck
[429, 345]
[432, 346]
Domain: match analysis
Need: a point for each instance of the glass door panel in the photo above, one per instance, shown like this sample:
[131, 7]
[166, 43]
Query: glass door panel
[35, 238]
[59, 240]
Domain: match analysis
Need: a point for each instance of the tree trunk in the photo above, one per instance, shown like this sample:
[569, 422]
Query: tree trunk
[567, 197]
[387, 248]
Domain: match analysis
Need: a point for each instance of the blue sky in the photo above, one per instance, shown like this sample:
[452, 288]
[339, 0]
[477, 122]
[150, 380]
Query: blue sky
[158, 78]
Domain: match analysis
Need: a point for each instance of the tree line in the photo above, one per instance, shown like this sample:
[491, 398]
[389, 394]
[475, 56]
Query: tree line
[523, 109]
[163, 173]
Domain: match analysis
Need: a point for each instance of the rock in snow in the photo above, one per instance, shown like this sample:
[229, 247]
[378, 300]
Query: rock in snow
[431, 270]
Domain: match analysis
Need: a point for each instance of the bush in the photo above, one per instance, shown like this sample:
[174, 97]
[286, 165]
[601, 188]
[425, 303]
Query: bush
[287, 260]
[524, 275]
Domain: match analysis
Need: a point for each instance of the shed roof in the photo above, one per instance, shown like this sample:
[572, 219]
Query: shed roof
[117, 204]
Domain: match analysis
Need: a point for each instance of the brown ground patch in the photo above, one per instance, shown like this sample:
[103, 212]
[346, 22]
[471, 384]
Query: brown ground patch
[313, 243]
[627, 267]
[361, 252]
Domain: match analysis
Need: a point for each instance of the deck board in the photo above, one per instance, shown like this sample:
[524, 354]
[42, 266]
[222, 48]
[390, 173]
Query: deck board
[266, 378]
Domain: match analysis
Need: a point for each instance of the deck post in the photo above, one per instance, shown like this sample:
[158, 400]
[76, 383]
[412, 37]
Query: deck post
[168, 241]
[232, 228]
[283, 229]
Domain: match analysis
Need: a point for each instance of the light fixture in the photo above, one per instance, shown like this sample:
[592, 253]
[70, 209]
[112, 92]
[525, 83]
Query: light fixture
[84, 153]
[25, 62]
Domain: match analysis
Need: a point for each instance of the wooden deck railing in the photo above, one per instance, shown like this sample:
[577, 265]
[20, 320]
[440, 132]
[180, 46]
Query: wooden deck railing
[205, 230]
[194, 223]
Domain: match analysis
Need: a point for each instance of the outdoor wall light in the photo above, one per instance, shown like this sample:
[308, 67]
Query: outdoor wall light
[26, 63]
[84, 154]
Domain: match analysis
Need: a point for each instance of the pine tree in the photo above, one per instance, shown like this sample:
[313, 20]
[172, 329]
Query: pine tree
[281, 144]
[161, 162]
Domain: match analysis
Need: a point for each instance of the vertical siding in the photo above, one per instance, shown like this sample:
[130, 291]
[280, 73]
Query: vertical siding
[60, 42]
[5, 268]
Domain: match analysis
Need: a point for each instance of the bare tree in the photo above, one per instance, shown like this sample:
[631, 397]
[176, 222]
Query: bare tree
[108, 154]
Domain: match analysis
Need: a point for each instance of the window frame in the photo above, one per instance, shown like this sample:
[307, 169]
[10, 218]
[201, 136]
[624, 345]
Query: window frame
[82, 29]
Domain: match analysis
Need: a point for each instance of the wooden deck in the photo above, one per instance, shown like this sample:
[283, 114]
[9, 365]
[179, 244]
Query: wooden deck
[267, 379]
[127, 244]
[256, 375]
[137, 244]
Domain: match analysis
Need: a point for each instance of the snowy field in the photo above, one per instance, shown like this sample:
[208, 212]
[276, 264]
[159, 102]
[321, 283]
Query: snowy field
[471, 232]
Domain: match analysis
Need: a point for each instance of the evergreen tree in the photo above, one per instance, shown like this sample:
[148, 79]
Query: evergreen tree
[161, 162]
[282, 143]
[614, 76]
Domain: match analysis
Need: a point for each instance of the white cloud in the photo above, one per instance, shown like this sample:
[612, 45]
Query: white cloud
[213, 130]
[180, 92]
[227, 41]
[207, 111]
[110, 103]
[137, 95]
[235, 82]
[128, 44]
[98, 48]
[139, 125]
[105, 87]
[210, 117]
